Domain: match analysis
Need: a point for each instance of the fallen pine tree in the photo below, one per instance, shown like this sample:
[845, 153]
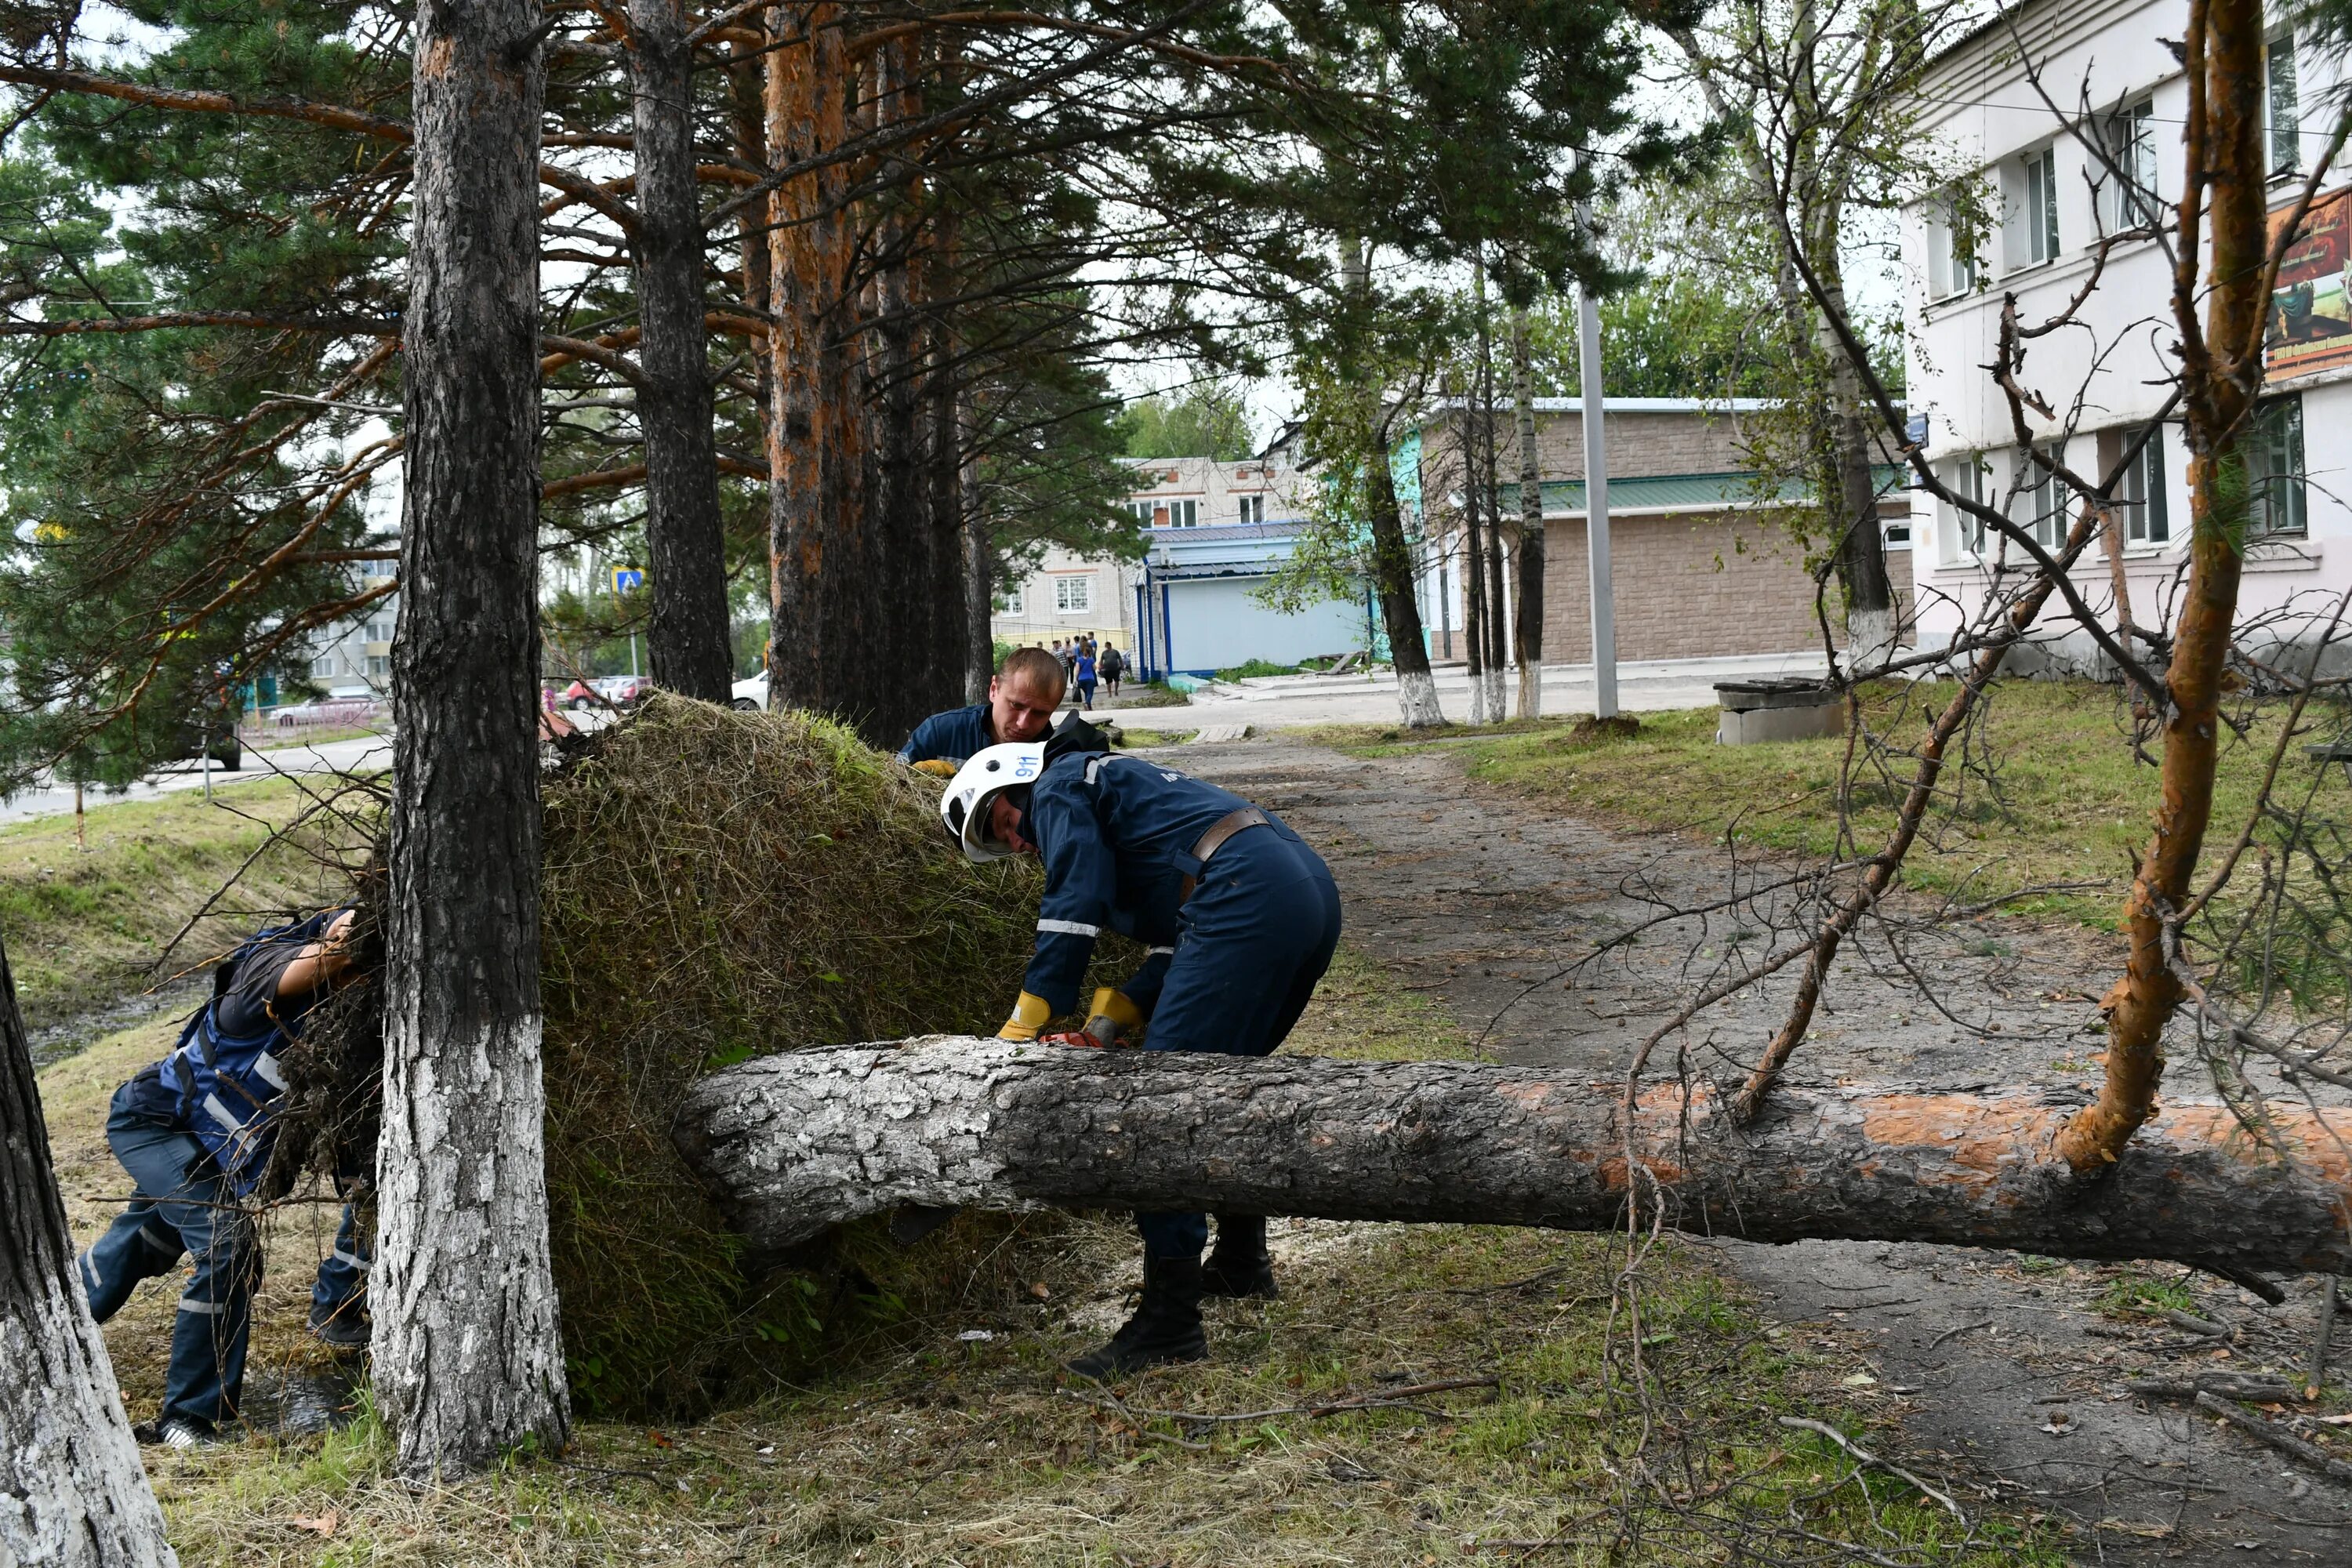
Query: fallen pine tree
[792, 1146]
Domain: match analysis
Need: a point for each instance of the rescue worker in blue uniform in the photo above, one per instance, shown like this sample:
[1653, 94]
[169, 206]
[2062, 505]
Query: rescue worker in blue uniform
[1242, 919]
[194, 1132]
[1022, 696]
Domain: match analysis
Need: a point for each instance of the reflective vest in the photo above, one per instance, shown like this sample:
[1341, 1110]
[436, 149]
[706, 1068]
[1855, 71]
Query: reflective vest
[229, 1085]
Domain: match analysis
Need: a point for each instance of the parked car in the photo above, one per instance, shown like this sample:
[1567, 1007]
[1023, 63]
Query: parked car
[618, 691]
[203, 734]
[750, 694]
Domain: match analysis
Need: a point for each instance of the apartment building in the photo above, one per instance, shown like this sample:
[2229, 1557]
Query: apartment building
[2035, 213]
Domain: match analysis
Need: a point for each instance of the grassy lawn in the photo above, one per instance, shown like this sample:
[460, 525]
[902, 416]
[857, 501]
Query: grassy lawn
[85, 927]
[2063, 800]
[956, 1440]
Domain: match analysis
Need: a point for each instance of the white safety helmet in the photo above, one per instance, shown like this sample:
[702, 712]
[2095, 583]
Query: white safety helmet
[964, 808]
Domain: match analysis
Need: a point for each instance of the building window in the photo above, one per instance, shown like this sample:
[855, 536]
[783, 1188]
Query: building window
[2283, 108]
[1951, 251]
[1964, 531]
[1013, 601]
[2273, 448]
[1252, 508]
[380, 630]
[2042, 497]
[1140, 510]
[378, 666]
[1075, 594]
[323, 667]
[2131, 145]
[2141, 495]
[1896, 531]
[2039, 239]
[1175, 513]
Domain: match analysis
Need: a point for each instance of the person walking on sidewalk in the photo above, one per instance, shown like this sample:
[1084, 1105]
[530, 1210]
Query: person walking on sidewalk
[1085, 673]
[1111, 667]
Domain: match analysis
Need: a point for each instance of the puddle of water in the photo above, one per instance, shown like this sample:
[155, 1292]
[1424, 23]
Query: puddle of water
[302, 1401]
[71, 1037]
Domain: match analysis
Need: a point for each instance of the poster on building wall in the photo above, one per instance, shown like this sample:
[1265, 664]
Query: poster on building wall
[2311, 307]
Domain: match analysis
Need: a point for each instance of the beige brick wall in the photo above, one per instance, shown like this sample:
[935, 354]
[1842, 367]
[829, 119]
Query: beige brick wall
[1686, 587]
[1640, 445]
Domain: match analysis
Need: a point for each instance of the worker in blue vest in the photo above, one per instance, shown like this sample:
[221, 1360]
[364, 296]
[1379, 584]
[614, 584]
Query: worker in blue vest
[194, 1132]
[1132, 844]
[1022, 696]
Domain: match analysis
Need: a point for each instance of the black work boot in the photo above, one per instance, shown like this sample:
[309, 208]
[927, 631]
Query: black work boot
[1166, 1326]
[1239, 1265]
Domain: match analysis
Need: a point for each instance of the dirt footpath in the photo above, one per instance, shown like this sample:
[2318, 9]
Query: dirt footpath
[2003, 1369]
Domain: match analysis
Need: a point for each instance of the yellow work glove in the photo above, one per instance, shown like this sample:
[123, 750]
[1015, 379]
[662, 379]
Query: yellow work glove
[938, 767]
[1030, 1014]
[1111, 1016]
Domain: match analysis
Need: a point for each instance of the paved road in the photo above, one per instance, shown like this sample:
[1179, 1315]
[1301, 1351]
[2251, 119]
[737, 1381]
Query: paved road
[364, 755]
[1285, 702]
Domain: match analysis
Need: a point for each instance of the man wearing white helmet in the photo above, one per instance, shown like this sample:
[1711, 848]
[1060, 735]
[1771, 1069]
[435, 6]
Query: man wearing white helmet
[1241, 918]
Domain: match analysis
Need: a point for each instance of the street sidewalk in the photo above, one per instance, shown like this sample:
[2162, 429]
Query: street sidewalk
[1284, 701]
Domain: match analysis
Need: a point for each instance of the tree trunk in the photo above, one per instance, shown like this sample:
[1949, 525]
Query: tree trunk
[2224, 148]
[1870, 605]
[468, 1360]
[685, 565]
[1475, 608]
[794, 1143]
[1529, 646]
[72, 1490]
[1499, 616]
[1395, 571]
[979, 568]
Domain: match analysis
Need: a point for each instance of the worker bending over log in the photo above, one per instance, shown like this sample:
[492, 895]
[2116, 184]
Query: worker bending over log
[1022, 696]
[194, 1132]
[1240, 918]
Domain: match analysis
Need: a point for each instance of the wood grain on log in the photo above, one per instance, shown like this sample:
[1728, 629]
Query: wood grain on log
[792, 1144]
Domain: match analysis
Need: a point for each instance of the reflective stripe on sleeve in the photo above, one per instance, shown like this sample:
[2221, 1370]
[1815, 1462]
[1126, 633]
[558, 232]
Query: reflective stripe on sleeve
[264, 1068]
[1069, 928]
[353, 1258]
[1156, 951]
[219, 1112]
[203, 1308]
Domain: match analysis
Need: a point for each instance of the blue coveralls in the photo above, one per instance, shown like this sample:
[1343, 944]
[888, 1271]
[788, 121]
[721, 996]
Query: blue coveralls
[1115, 833]
[955, 735]
[183, 1202]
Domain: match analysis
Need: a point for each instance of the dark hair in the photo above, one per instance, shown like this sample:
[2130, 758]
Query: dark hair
[1041, 667]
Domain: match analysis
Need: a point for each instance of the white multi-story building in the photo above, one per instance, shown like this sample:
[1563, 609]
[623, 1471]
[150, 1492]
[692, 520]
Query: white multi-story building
[2030, 220]
[353, 659]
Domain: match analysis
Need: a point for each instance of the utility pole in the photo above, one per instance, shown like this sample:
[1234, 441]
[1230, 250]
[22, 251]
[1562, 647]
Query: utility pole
[1596, 505]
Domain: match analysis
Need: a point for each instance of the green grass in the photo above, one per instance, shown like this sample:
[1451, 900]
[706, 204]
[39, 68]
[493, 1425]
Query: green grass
[1149, 694]
[2065, 802]
[85, 926]
[1254, 668]
[2133, 1295]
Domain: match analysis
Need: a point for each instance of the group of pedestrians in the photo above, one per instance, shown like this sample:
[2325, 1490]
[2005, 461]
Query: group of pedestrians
[1086, 664]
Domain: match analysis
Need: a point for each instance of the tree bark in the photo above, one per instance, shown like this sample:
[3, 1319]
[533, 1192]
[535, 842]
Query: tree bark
[794, 1143]
[1475, 608]
[468, 1360]
[689, 642]
[1529, 646]
[2224, 151]
[1498, 616]
[1395, 571]
[72, 1490]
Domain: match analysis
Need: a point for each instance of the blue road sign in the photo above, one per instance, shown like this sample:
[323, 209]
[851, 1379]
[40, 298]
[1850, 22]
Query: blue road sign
[627, 577]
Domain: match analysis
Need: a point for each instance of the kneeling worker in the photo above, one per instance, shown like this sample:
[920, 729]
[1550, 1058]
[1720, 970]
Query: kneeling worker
[194, 1132]
[1138, 847]
[1022, 696]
